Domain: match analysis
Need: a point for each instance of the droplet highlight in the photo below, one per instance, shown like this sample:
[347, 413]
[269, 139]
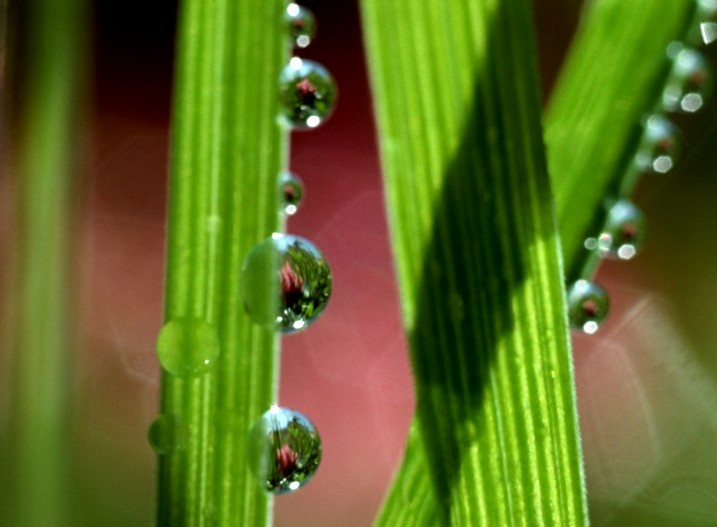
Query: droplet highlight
[588, 306]
[689, 83]
[624, 233]
[708, 31]
[167, 434]
[285, 283]
[660, 147]
[291, 191]
[187, 346]
[307, 92]
[301, 24]
[284, 450]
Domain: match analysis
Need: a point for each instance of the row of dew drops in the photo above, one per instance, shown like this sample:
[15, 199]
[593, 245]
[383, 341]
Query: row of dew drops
[688, 87]
[284, 447]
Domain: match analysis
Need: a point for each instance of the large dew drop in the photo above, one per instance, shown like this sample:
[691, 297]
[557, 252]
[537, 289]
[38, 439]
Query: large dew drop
[307, 92]
[284, 450]
[624, 232]
[689, 83]
[291, 191]
[285, 283]
[588, 306]
[187, 346]
[167, 434]
[660, 147]
[301, 24]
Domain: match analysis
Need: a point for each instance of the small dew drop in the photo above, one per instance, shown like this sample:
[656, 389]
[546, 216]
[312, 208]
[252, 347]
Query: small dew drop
[308, 94]
[660, 147]
[624, 232]
[284, 449]
[709, 32]
[301, 24]
[291, 192]
[285, 283]
[689, 83]
[167, 434]
[588, 306]
[187, 346]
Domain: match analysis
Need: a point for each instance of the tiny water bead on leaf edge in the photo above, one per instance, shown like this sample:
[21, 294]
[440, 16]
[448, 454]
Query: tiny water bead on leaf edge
[187, 346]
[624, 233]
[588, 305]
[660, 147]
[284, 449]
[291, 190]
[690, 82]
[285, 283]
[301, 24]
[308, 94]
[167, 434]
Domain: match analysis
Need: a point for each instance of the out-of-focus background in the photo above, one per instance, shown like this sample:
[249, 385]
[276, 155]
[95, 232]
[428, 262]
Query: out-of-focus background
[647, 383]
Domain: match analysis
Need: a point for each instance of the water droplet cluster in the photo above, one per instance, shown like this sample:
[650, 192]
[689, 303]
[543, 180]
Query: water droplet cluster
[285, 284]
[688, 89]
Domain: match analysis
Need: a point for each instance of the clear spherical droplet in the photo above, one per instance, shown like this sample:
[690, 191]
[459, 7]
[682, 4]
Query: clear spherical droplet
[284, 450]
[307, 92]
[660, 147]
[292, 192]
[285, 283]
[187, 346]
[588, 306]
[301, 24]
[624, 232]
[167, 434]
[689, 83]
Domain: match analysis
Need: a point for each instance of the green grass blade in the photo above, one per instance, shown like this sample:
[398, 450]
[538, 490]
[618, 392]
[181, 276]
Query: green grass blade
[227, 151]
[648, 26]
[478, 261]
[616, 68]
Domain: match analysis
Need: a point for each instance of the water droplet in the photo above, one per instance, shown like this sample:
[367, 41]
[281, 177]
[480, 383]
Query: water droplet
[307, 92]
[292, 192]
[588, 306]
[187, 346]
[167, 434]
[709, 32]
[301, 23]
[285, 449]
[285, 283]
[624, 232]
[660, 147]
[689, 83]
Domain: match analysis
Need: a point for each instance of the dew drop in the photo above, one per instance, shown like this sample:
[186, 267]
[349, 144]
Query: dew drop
[624, 232]
[285, 283]
[588, 306]
[292, 192]
[187, 346]
[307, 92]
[709, 32]
[284, 449]
[167, 434]
[301, 23]
[689, 83]
[660, 146]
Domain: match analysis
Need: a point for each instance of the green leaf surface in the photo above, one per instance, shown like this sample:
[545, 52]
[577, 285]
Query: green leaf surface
[227, 152]
[478, 264]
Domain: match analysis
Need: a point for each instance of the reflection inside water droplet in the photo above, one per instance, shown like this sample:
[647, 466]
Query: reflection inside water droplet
[660, 146]
[307, 92]
[285, 283]
[167, 434]
[291, 192]
[284, 450]
[624, 232]
[689, 83]
[588, 306]
[301, 24]
[187, 346]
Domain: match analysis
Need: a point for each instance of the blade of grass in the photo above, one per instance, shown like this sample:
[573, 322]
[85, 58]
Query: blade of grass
[649, 27]
[48, 77]
[478, 263]
[227, 150]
